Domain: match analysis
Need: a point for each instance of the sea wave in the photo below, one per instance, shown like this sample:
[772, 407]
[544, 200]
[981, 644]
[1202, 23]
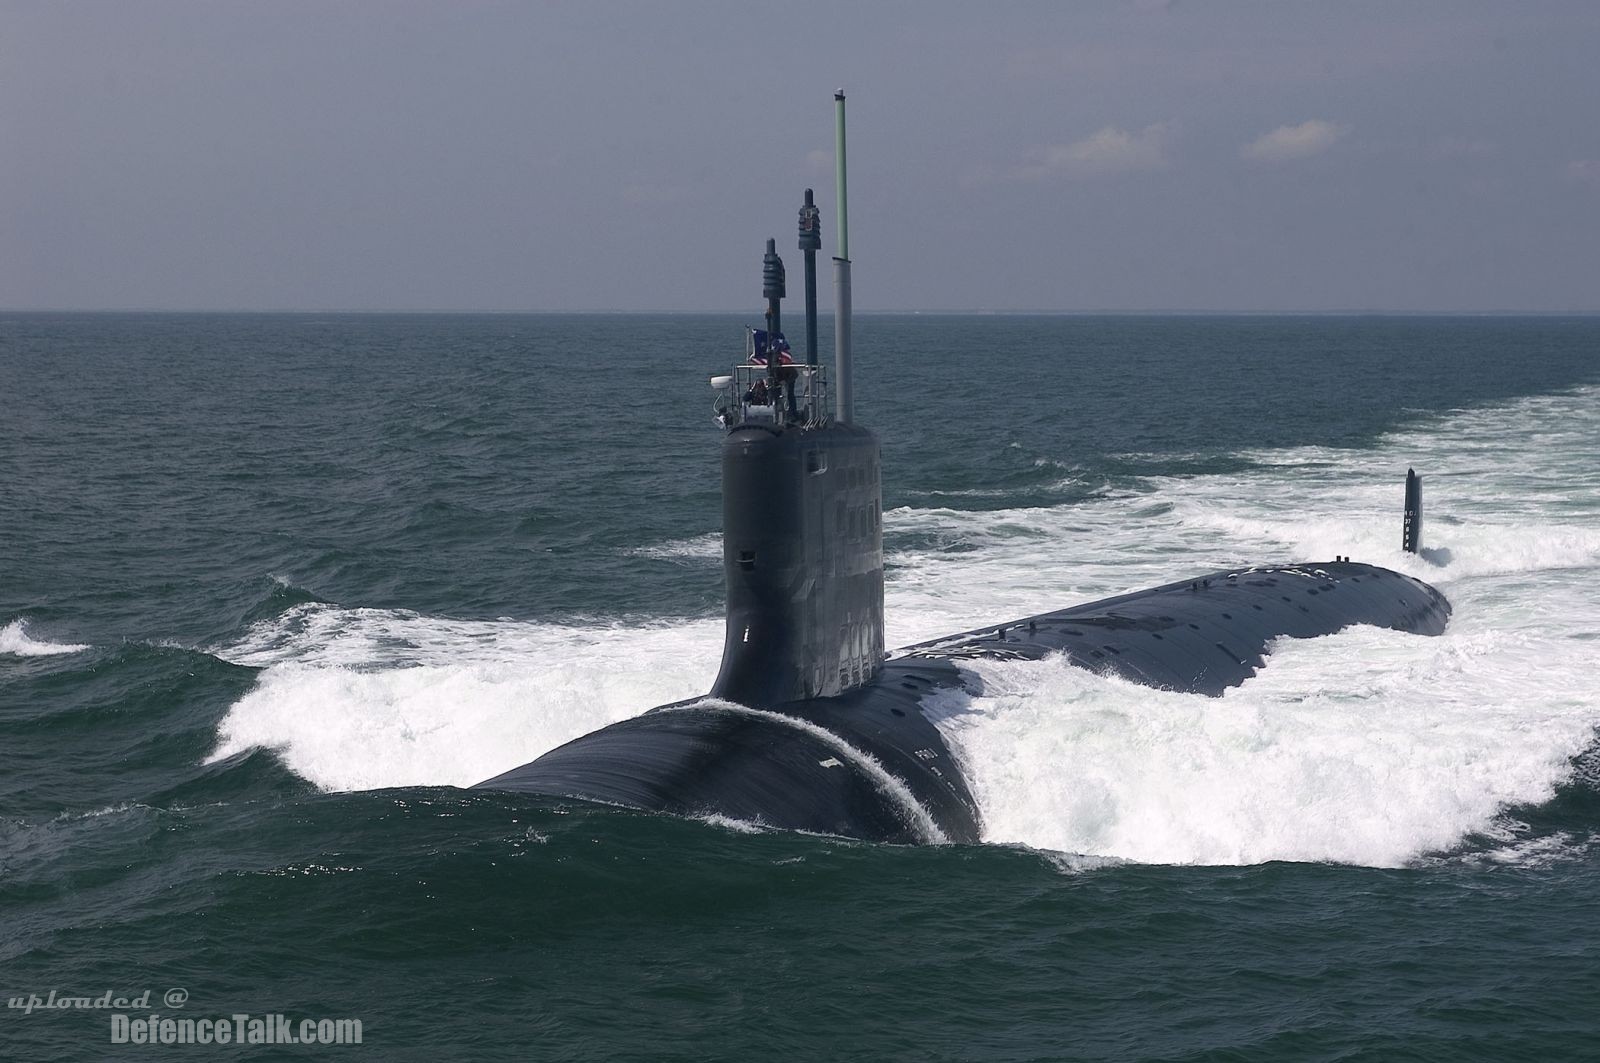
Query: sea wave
[15, 640]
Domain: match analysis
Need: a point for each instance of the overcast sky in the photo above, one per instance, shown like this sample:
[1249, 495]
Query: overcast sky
[1203, 155]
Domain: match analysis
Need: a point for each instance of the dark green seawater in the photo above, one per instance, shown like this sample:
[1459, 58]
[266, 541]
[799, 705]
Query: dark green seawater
[273, 589]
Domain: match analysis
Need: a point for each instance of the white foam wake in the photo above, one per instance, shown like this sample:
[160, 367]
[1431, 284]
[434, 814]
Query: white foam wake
[1365, 747]
[356, 699]
[14, 639]
[1369, 746]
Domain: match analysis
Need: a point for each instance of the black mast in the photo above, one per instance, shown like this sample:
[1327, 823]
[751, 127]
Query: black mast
[810, 242]
[772, 288]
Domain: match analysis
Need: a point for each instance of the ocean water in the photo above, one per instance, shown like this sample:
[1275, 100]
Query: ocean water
[273, 589]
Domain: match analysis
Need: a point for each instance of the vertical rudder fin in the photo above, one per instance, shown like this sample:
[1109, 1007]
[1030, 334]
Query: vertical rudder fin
[1411, 532]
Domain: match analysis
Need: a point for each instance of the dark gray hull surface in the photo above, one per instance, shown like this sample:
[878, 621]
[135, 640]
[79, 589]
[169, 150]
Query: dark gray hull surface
[1204, 635]
[869, 764]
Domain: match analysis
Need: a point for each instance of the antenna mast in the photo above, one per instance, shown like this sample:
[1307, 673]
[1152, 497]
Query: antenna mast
[844, 408]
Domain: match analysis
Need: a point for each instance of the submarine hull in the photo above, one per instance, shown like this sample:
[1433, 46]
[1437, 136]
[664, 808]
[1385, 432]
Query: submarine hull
[869, 763]
[809, 725]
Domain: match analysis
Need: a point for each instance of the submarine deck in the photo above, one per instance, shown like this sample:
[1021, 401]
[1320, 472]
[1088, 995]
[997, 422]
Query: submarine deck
[1206, 634]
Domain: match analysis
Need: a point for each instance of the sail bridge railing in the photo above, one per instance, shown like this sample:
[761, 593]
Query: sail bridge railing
[751, 396]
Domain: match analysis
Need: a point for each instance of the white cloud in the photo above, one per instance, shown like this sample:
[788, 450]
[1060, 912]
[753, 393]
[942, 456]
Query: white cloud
[1463, 147]
[1294, 141]
[1586, 170]
[1109, 151]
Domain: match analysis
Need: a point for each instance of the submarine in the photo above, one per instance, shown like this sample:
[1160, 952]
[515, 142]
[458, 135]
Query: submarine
[810, 725]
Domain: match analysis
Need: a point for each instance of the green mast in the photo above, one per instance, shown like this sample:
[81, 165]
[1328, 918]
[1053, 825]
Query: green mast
[844, 396]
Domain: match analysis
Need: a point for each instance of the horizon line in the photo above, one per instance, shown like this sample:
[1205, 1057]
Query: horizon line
[958, 312]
